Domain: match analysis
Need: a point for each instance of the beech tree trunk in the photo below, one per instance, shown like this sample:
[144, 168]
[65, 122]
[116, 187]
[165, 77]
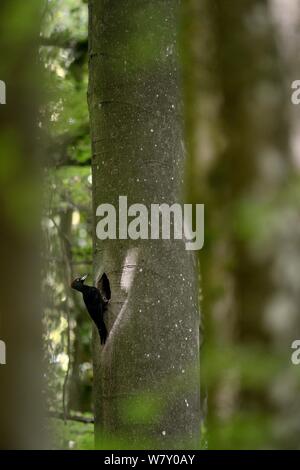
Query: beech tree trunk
[146, 377]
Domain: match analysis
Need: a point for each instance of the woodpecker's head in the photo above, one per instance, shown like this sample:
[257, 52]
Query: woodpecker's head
[77, 284]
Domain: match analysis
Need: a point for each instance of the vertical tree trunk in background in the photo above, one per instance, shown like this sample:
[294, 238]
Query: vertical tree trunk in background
[21, 425]
[255, 161]
[241, 149]
[146, 378]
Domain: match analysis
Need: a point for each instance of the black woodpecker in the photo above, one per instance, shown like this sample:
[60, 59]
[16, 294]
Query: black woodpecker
[95, 303]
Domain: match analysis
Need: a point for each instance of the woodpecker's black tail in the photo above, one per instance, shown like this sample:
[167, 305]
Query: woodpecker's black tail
[102, 333]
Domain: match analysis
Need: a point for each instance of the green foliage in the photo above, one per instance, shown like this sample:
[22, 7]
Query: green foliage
[72, 435]
[66, 202]
[244, 431]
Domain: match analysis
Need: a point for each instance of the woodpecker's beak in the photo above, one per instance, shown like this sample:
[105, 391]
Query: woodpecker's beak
[83, 278]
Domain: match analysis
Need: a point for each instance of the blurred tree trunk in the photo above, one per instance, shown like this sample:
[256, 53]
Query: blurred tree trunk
[65, 235]
[21, 424]
[254, 164]
[80, 381]
[146, 377]
[238, 135]
[76, 390]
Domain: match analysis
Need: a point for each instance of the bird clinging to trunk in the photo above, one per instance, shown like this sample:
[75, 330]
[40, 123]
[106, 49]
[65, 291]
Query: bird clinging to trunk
[95, 301]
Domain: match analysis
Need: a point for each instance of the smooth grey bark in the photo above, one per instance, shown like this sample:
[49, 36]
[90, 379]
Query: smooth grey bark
[146, 377]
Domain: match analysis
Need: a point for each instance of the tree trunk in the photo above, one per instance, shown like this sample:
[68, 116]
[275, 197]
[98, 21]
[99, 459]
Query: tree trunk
[21, 424]
[146, 377]
[240, 147]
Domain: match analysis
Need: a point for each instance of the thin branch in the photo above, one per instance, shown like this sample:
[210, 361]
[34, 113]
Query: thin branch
[62, 41]
[69, 417]
[56, 259]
